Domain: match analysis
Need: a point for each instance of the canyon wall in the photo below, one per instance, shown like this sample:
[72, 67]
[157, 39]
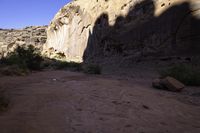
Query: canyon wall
[86, 30]
[11, 38]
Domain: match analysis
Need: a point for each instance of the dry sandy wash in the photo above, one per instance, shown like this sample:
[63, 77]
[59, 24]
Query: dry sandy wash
[67, 102]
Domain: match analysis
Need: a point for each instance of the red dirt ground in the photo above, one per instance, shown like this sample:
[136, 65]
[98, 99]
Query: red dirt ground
[68, 102]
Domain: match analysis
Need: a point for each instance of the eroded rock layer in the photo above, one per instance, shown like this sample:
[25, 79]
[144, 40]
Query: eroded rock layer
[11, 38]
[88, 29]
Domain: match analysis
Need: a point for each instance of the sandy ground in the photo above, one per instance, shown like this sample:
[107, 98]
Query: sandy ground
[67, 102]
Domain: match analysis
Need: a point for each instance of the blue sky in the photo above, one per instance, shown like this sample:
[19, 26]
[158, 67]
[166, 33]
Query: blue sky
[22, 13]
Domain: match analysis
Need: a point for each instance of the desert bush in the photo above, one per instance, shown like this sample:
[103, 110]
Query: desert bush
[186, 73]
[60, 65]
[25, 58]
[92, 69]
[47, 63]
[67, 65]
[60, 56]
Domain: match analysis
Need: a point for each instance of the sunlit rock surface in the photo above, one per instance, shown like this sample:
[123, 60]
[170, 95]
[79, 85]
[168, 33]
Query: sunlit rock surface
[11, 38]
[87, 29]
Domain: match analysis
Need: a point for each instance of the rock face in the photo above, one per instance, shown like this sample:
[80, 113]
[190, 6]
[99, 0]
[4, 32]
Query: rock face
[10, 39]
[88, 30]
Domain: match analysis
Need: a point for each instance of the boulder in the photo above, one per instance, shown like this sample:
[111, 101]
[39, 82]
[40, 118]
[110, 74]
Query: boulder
[172, 84]
[168, 83]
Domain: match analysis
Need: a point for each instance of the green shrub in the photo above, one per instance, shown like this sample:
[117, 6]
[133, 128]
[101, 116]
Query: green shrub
[187, 74]
[60, 65]
[75, 66]
[25, 58]
[92, 69]
[67, 65]
[60, 56]
[46, 63]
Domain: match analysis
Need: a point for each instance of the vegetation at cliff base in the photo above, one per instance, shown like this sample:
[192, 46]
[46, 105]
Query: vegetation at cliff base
[62, 65]
[24, 58]
[186, 73]
[92, 69]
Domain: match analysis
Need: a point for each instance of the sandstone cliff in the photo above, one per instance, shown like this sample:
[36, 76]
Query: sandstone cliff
[88, 29]
[11, 38]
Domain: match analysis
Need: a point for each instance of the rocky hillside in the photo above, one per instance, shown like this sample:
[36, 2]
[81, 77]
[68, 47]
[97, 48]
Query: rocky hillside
[94, 30]
[10, 39]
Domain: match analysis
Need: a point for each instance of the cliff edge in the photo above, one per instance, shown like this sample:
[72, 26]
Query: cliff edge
[94, 30]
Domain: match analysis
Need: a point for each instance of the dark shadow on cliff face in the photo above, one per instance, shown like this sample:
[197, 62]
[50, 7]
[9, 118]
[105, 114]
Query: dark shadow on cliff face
[175, 32]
